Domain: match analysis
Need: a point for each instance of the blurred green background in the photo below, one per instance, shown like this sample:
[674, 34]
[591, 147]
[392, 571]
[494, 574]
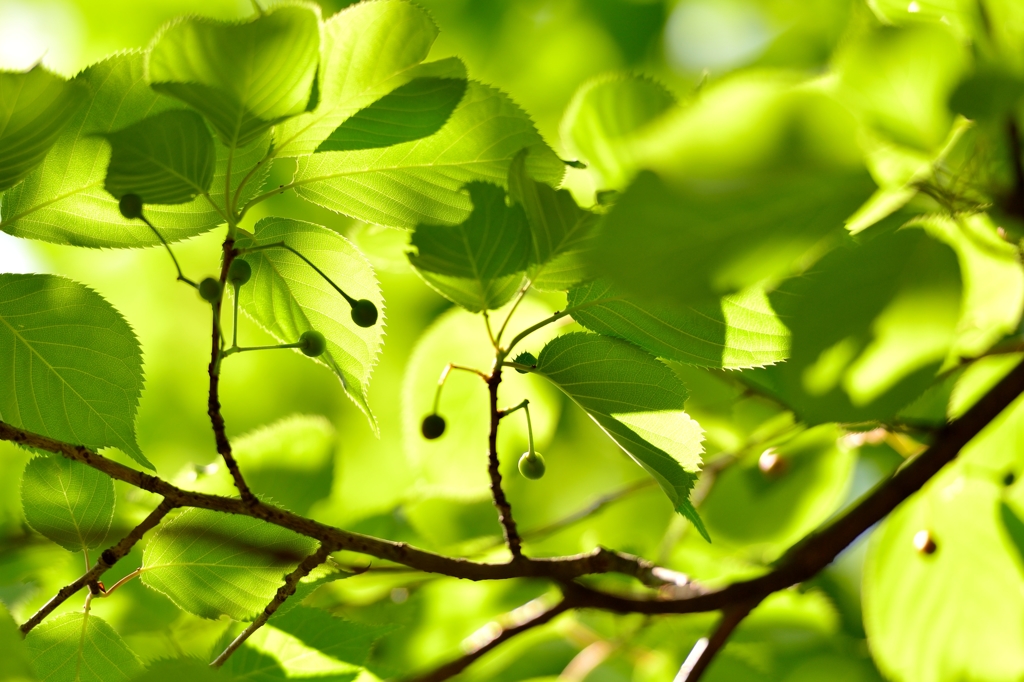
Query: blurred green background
[540, 52]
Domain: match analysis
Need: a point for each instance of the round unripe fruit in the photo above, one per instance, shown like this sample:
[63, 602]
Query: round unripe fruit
[525, 359]
[432, 426]
[924, 543]
[209, 289]
[312, 343]
[364, 313]
[130, 206]
[240, 272]
[531, 465]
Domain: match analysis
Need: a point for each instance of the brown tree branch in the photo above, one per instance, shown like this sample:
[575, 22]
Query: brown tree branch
[706, 648]
[453, 668]
[287, 589]
[508, 524]
[107, 559]
[213, 404]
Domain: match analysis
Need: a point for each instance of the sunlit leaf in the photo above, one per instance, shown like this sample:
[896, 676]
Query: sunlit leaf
[739, 331]
[165, 159]
[68, 502]
[412, 111]
[80, 647]
[369, 49]
[173, 669]
[422, 181]
[34, 108]
[637, 401]
[602, 117]
[244, 77]
[72, 365]
[287, 297]
[481, 263]
[15, 664]
[214, 564]
[341, 639]
[63, 199]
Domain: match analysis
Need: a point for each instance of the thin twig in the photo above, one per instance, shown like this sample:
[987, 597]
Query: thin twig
[453, 668]
[287, 589]
[108, 558]
[508, 524]
[706, 648]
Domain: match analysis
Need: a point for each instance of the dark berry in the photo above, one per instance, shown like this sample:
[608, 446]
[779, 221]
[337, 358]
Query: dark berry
[240, 272]
[432, 426]
[209, 289]
[131, 206]
[312, 343]
[364, 313]
[924, 543]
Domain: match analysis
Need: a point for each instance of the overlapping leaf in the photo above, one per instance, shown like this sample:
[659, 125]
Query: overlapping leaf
[481, 263]
[637, 401]
[602, 117]
[421, 182]
[213, 564]
[80, 647]
[68, 502]
[72, 367]
[342, 640]
[412, 111]
[165, 159]
[63, 200]
[245, 77]
[369, 49]
[737, 332]
[287, 297]
[560, 230]
[15, 664]
[34, 108]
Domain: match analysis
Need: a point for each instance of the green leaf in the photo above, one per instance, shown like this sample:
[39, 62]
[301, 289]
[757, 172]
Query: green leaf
[637, 401]
[63, 200]
[481, 263]
[956, 614]
[72, 365]
[80, 647]
[214, 564]
[412, 111]
[15, 664]
[176, 669]
[244, 77]
[560, 230]
[603, 116]
[744, 185]
[165, 159]
[368, 50]
[737, 332]
[341, 639]
[68, 502]
[871, 325]
[900, 81]
[271, 655]
[34, 108]
[287, 297]
[422, 181]
[767, 513]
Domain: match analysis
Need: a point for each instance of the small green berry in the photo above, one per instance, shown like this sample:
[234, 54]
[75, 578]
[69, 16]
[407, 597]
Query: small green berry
[130, 206]
[432, 426]
[531, 465]
[312, 343]
[209, 289]
[525, 359]
[240, 272]
[364, 313]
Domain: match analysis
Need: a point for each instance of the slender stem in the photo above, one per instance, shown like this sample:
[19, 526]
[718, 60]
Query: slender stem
[518, 365]
[213, 403]
[252, 171]
[134, 574]
[282, 245]
[705, 649]
[287, 589]
[554, 318]
[515, 306]
[490, 332]
[245, 349]
[108, 558]
[234, 319]
[170, 252]
[509, 410]
[508, 524]
[444, 378]
[266, 195]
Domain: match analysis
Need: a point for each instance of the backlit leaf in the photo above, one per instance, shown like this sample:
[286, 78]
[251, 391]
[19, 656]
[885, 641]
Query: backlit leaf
[214, 564]
[68, 502]
[80, 647]
[34, 108]
[287, 297]
[72, 366]
[637, 401]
